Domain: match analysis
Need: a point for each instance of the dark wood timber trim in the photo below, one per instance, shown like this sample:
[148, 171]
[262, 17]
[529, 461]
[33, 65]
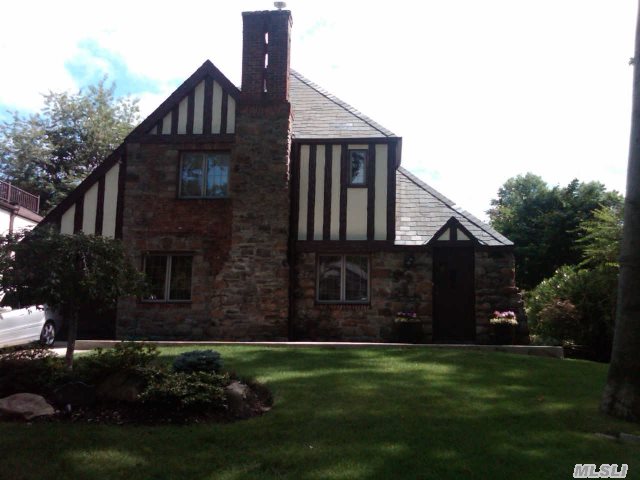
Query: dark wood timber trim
[186, 139]
[56, 214]
[363, 246]
[207, 71]
[371, 193]
[100, 207]
[190, 111]
[79, 214]
[223, 113]
[175, 113]
[159, 126]
[343, 191]
[122, 174]
[208, 106]
[347, 141]
[391, 193]
[295, 190]
[328, 170]
[454, 224]
[311, 210]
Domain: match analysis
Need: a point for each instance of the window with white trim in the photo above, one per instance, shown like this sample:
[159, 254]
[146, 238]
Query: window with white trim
[204, 175]
[342, 279]
[168, 277]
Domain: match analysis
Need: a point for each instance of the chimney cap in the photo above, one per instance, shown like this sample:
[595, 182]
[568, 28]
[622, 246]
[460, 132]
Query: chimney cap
[280, 5]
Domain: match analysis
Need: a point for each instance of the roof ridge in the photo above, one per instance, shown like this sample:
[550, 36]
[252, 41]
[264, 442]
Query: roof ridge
[357, 113]
[485, 227]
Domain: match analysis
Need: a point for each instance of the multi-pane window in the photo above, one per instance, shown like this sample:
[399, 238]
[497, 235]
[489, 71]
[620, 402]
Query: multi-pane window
[204, 175]
[343, 279]
[357, 167]
[168, 277]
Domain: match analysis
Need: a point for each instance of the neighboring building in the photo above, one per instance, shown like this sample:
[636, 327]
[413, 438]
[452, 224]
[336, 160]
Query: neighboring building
[280, 212]
[18, 209]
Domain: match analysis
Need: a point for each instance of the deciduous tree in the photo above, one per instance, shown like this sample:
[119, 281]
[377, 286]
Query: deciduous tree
[69, 273]
[543, 222]
[50, 152]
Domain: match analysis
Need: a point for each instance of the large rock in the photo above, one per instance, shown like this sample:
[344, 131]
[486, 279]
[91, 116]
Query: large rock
[25, 405]
[237, 395]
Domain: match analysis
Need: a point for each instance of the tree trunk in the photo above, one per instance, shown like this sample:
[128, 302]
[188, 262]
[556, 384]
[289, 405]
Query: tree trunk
[71, 338]
[621, 396]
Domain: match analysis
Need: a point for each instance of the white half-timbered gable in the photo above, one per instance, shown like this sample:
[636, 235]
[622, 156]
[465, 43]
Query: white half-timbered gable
[343, 168]
[343, 191]
[206, 109]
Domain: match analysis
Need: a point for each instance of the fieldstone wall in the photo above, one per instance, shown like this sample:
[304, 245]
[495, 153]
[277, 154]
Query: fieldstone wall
[240, 277]
[496, 290]
[253, 301]
[399, 282]
[154, 219]
[402, 281]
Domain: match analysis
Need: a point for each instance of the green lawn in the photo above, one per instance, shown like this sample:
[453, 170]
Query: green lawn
[366, 413]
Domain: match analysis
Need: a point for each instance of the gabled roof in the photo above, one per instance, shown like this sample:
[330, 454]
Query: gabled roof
[421, 212]
[207, 69]
[318, 114]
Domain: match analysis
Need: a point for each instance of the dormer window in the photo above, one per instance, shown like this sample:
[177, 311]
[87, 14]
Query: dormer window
[357, 168]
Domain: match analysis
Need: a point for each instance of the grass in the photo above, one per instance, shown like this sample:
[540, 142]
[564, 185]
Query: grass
[355, 414]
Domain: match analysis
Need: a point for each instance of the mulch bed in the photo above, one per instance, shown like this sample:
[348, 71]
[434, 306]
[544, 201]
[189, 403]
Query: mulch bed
[123, 413]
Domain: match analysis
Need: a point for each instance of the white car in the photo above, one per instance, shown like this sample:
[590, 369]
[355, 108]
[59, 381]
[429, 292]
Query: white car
[35, 323]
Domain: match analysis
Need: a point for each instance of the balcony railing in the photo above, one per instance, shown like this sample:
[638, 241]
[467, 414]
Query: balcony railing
[17, 196]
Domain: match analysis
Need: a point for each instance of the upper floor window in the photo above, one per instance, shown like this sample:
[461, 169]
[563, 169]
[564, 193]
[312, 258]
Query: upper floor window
[204, 175]
[357, 168]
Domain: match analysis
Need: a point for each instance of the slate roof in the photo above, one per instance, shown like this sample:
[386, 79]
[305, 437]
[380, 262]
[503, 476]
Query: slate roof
[318, 114]
[421, 211]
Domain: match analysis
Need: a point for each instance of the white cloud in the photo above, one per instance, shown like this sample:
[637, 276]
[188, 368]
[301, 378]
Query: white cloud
[480, 91]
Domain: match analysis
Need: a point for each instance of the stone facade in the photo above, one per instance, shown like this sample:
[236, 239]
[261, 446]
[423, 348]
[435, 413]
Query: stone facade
[401, 281]
[496, 290]
[396, 285]
[240, 269]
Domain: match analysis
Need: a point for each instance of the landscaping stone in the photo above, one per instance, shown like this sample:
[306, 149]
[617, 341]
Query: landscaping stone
[121, 386]
[25, 405]
[76, 394]
[237, 394]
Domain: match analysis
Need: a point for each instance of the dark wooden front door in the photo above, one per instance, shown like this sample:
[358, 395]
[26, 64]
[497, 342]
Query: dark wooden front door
[453, 294]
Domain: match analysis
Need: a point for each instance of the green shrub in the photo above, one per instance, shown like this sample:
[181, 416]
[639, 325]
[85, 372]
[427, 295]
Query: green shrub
[592, 292]
[198, 361]
[178, 391]
[34, 370]
[125, 356]
[559, 321]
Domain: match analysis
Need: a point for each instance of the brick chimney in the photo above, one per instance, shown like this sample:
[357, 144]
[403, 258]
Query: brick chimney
[255, 303]
[265, 55]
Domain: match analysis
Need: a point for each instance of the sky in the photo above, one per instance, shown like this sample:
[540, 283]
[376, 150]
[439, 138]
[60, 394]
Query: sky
[480, 91]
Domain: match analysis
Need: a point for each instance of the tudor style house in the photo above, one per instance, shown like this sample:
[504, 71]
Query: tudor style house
[277, 211]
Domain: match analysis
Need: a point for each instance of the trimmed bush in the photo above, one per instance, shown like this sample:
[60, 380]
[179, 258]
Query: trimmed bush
[198, 361]
[124, 357]
[33, 370]
[180, 391]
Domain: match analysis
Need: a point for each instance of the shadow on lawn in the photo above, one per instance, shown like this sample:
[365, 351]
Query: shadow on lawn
[363, 413]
